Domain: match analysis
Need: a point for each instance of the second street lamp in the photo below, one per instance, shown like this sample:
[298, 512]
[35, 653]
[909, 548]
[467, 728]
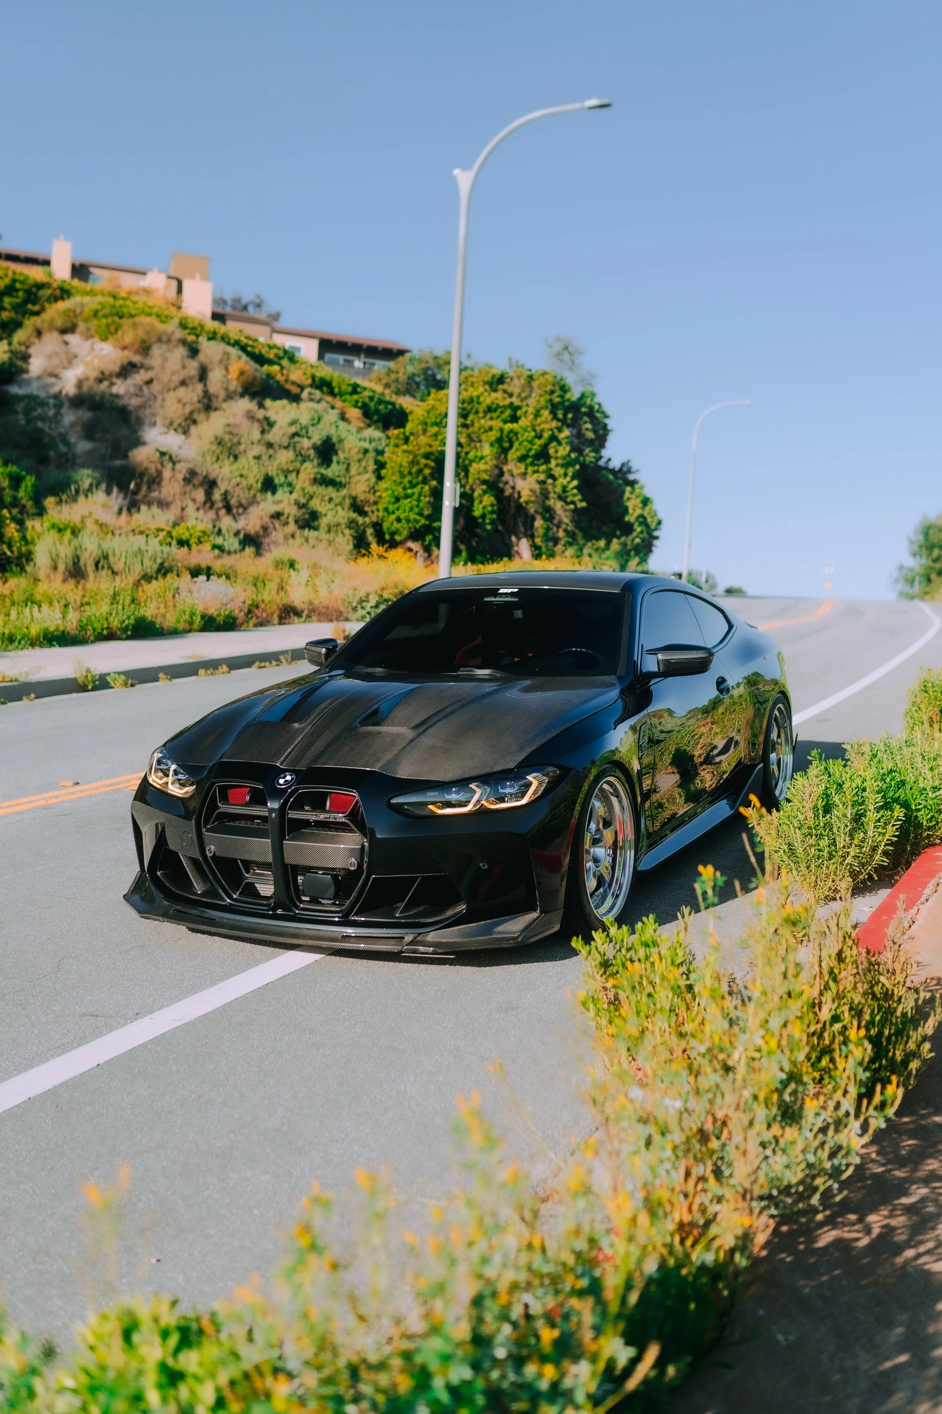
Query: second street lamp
[736, 403]
[465, 182]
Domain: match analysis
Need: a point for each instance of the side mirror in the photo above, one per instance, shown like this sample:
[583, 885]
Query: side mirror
[681, 661]
[320, 650]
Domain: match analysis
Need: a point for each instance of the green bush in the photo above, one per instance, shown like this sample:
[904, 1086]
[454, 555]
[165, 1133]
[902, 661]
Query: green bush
[17, 506]
[14, 361]
[848, 821]
[923, 715]
[23, 296]
[908, 770]
[834, 830]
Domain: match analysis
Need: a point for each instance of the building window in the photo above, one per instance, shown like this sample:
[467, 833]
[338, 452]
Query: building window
[336, 360]
[295, 348]
[344, 361]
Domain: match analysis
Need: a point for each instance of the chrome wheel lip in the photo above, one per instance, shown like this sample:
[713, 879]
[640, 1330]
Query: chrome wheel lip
[608, 848]
[781, 751]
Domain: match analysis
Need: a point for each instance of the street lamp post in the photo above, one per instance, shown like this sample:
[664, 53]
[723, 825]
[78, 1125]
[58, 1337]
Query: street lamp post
[736, 403]
[465, 182]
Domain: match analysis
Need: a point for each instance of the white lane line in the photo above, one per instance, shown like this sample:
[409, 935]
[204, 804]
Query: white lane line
[877, 672]
[55, 1072]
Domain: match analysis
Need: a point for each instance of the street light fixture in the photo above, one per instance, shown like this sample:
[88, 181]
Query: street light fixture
[736, 403]
[465, 182]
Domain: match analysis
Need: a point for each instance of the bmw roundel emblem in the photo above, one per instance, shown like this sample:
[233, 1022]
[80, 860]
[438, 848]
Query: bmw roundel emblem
[286, 779]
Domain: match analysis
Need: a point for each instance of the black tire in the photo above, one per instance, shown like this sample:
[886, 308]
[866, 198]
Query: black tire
[778, 753]
[602, 858]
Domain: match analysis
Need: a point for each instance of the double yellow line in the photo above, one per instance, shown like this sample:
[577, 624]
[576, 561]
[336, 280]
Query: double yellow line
[77, 792]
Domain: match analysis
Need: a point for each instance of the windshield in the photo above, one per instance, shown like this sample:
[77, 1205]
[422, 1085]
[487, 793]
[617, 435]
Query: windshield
[526, 632]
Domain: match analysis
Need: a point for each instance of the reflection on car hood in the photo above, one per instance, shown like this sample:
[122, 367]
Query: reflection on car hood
[418, 730]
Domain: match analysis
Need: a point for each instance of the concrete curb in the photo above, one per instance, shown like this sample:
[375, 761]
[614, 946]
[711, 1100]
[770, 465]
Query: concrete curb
[903, 897]
[50, 672]
[57, 687]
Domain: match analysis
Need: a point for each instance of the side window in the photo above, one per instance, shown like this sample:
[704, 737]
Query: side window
[713, 622]
[667, 618]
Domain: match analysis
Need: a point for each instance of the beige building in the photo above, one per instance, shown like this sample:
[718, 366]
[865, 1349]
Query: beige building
[187, 279]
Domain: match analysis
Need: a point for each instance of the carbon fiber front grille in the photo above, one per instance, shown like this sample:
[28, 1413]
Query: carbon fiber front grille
[325, 849]
[237, 841]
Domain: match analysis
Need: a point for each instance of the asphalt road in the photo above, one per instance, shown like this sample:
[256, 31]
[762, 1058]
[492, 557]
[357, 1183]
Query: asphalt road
[227, 1120]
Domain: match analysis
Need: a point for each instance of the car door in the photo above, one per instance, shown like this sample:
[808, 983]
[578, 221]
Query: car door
[678, 731]
[732, 712]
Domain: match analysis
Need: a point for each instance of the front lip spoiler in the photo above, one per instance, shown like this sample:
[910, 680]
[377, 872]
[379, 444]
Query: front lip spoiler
[511, 931]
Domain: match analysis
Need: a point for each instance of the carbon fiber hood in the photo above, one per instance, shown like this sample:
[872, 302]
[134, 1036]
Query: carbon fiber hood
[416, 730]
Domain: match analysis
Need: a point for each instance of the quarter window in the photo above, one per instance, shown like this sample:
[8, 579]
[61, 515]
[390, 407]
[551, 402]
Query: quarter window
[713, 622]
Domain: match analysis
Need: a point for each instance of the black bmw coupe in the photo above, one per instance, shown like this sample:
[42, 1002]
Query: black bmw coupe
[488, 759]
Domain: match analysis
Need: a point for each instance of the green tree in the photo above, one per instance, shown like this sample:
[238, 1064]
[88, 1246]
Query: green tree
[923, 578]
[565, 357]
[532, 471]
[17, 506]
[414, 375]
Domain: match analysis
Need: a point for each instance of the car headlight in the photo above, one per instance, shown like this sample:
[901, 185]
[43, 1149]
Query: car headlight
[488, 793]
[167, 775]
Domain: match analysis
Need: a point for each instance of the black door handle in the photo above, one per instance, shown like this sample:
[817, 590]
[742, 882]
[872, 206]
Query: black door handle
[723, 687]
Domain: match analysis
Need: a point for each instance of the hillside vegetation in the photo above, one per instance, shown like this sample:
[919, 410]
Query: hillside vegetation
[161, 473]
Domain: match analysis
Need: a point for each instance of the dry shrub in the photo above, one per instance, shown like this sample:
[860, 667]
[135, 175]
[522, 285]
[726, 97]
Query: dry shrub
[138, 336]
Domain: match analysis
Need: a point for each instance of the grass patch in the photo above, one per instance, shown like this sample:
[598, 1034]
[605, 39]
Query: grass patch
[86, 678]
[92, 580]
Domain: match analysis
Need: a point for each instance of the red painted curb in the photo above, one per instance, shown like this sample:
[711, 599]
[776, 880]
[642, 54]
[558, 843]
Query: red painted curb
[905, 894]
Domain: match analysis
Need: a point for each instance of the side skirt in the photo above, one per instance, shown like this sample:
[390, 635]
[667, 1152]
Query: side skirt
[716, 814]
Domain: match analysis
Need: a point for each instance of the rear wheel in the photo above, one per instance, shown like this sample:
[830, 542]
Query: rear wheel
[602, 861]
[778, 754]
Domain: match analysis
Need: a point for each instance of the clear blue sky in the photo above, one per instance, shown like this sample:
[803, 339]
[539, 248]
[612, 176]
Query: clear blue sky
[758, 216]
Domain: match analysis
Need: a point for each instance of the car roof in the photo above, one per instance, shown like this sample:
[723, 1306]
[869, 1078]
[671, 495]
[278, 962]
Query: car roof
[547, 579]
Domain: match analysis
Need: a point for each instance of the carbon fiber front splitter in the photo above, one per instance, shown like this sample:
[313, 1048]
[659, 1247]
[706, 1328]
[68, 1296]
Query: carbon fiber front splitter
[509, 932]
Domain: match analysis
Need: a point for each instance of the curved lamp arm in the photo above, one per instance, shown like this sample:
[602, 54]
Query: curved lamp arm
[465, 182]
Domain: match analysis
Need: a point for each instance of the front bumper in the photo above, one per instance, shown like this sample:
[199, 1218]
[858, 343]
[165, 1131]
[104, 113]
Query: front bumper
[147, 900]
[479, 882]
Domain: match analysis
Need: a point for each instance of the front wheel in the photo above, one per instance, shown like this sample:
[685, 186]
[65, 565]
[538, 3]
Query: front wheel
[602, 861]
[778, 754]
